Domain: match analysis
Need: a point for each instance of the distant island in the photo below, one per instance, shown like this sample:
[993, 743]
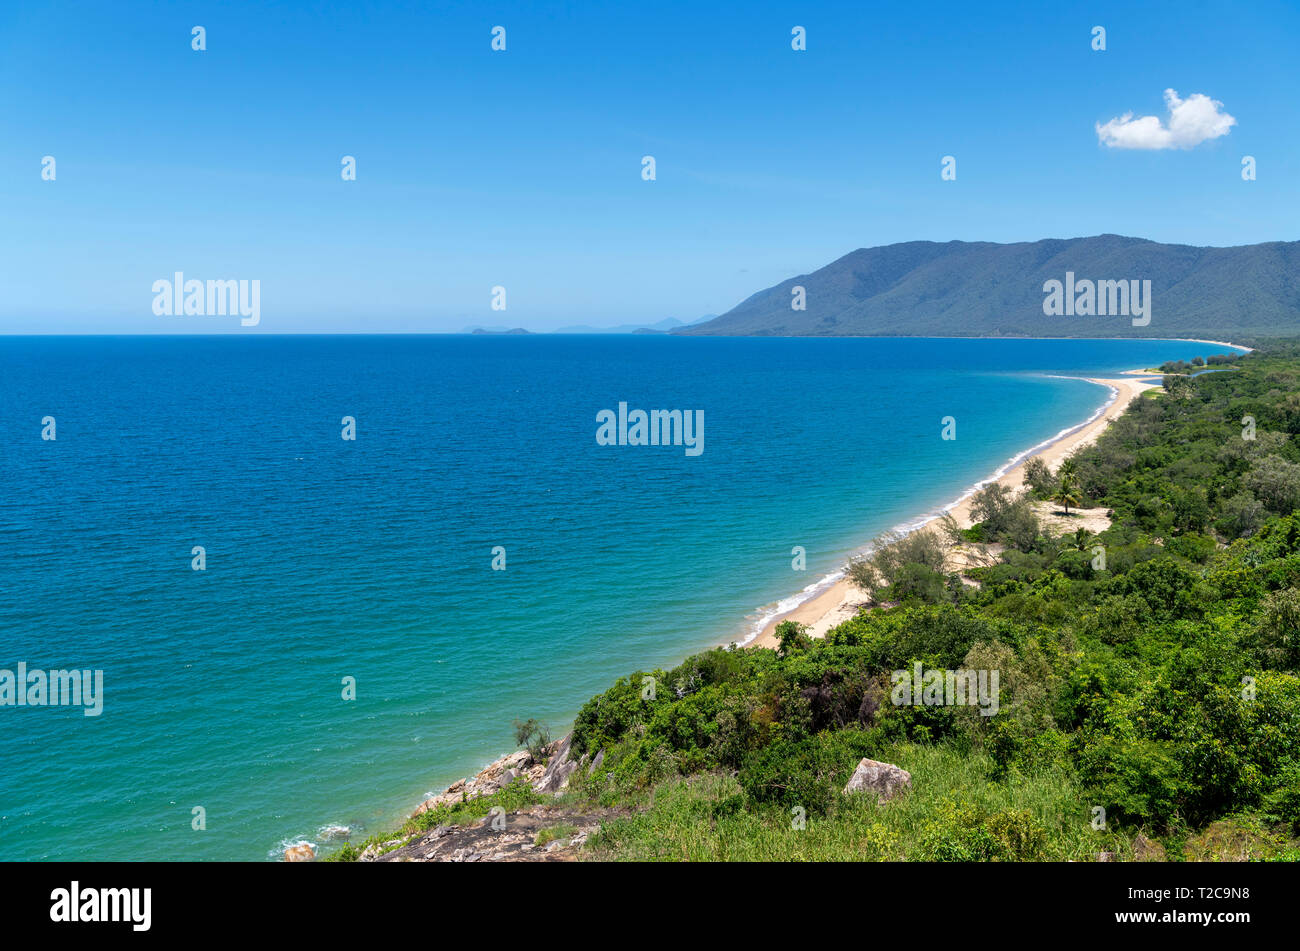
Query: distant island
[667, 325]
[982, 289]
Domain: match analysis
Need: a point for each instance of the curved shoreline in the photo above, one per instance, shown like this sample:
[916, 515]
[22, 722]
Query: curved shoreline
[835, 599]
[1220, 343]
[832, 600]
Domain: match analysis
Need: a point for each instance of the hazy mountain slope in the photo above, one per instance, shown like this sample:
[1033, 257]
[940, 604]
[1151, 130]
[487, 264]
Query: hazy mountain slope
[922, 288]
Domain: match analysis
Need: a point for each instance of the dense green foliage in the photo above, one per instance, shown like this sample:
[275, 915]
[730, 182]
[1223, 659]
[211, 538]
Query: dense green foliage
[903, 566]
[1197, 363]
[1150, 671]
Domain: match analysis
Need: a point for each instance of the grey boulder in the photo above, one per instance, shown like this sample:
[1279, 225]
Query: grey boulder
[884, 779]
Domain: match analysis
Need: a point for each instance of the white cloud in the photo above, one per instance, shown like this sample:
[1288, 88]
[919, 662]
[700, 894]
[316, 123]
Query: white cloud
[1193, 120]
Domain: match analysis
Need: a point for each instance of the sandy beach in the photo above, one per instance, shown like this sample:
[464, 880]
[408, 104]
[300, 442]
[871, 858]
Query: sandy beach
[1223, 343]
[841, 601]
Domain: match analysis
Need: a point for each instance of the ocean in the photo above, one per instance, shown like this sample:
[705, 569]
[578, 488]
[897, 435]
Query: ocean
[329, 562]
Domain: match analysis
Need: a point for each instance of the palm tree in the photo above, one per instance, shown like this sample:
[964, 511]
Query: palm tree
[1079, 541]
[1068, 493]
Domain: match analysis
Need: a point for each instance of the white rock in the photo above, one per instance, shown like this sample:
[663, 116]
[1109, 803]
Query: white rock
[884, 779]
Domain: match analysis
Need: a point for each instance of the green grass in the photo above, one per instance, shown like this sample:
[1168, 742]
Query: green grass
[563, 830]
[949, 811]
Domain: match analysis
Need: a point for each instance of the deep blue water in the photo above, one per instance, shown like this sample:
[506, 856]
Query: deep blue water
[372, 559]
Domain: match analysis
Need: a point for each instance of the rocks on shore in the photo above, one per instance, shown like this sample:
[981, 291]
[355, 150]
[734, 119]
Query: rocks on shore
[372, 852]
[488, 780]
[302, 852]
[884, 779]
[551, 776]
[514, 840]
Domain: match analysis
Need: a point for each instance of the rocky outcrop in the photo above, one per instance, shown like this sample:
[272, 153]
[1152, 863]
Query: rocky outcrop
[500, 836]
[511, 837]
[489, 779]
[302, 852]
[884, 779]
[559, 769]
[550, 776]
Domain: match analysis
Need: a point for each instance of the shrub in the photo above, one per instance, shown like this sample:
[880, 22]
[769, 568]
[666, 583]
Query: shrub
[1242, 516]
[1038, 477]
[1278, 630]
[961, 832]
[791, 636]
[606, 718]
[1016, 836]
[810, 772]
[896, 561]
[1168, 588]
[533, 736]
[1135, 780]
[1276, 483]
[1283, 803]
[349, 853]
[879, 844]
[1005, 517]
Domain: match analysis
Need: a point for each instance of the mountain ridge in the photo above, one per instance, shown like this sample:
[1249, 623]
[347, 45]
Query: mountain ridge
[983, 288]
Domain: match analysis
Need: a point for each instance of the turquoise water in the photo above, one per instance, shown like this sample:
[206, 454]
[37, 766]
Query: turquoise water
[372, 558]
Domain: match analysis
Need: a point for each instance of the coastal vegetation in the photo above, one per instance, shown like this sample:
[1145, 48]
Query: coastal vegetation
[1155, 700]
[1148, 674]
[1197, 364]
[533, 736]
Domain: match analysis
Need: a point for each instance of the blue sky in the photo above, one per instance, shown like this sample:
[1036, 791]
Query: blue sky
[523, 168]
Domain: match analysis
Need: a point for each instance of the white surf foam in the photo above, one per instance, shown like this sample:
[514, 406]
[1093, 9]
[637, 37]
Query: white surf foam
[763, 616]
